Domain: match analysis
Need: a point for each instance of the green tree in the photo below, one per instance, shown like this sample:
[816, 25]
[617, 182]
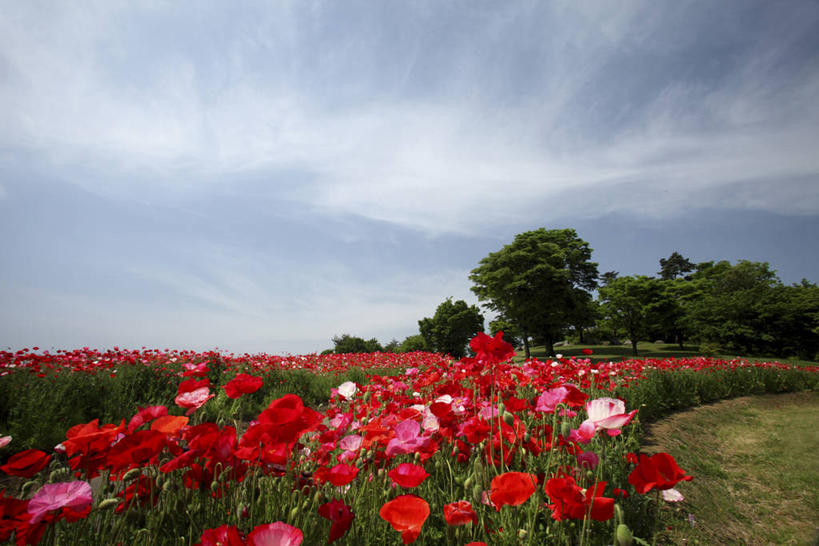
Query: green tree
[352, 344]
[511, 334]
[413, 343]
[451, 328]
[675, 266]
[538, 282]
[631, 303]
[745, 308]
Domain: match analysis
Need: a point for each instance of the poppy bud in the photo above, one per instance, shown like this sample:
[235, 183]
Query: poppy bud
[522, 534]
[623, 535]
[57, 474]
[565, 429]
[468, 483]
[501, 408]
[508, 418]
[294, 513]
[108, 503]
[240, 510]
[27, 486]
[527, 437]
[167, 485]
[476, 493]
[214, 485]
[132, 474]
[477, 467]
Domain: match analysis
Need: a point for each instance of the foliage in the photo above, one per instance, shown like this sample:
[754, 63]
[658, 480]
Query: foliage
[350, 344]
[451, 327]
[538, 282]
[413, 343]
[631, 304]
[675, 266]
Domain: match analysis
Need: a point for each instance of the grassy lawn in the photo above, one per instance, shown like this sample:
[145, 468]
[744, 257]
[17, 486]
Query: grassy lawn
[646, 350]
[756, 468]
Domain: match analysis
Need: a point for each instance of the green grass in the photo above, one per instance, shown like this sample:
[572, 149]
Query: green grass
[755, 467]
[648, 350]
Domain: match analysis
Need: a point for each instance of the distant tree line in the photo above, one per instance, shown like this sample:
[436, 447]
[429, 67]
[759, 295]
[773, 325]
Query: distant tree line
[542, 289]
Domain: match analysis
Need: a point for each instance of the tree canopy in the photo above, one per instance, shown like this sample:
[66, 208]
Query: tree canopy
[451, 328]
[539, 282]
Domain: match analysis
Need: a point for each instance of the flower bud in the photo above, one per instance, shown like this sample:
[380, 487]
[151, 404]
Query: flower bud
[623, 535]
[476, 493]
[108, 503]
[565, 429]
[508, 418]
[132, 474]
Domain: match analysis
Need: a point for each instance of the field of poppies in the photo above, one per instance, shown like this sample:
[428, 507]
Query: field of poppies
[176, 447]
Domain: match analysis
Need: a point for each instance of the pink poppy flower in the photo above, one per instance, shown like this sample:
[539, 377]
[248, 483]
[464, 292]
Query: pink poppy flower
[4, 441]
[53, 496]
[609, 413]
[550, 398]
[275, 534]
[407, 439]
[193, 394]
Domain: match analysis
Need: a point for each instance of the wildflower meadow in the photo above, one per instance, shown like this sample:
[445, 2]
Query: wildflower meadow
[176, 447]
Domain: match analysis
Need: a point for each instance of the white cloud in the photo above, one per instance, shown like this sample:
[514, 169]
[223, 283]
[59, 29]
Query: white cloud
[440, 163]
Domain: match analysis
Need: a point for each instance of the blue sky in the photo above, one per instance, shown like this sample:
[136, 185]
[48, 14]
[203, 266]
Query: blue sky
[264, 176]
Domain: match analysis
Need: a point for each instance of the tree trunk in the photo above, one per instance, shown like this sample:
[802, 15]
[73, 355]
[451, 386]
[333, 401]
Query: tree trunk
[580, 333]
[634, 345]
[549, 345]
[526, 344]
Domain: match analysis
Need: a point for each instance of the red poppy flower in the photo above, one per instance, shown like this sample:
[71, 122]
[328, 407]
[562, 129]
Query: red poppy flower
[587, 351]
[341, 517]
[408, 475]
[342, 474]
[660, 471]
[136, 449]
[407, 515]
[569, 501]
[491, 349]
[170, 425]
[226, 535]
[512, 488]
[145, 415]
[243, 384]
[26, 463]
[459, 513]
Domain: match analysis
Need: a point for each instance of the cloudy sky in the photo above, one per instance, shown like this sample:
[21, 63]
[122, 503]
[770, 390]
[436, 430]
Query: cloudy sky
[262, 176]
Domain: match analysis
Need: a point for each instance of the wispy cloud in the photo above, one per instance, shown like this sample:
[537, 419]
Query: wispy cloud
[432, 159]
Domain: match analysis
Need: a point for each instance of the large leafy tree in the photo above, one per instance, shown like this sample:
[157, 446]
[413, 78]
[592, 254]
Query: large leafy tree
[346, 343]
[451, 328]
[539, 283]
[633, 304]
[746, 308]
